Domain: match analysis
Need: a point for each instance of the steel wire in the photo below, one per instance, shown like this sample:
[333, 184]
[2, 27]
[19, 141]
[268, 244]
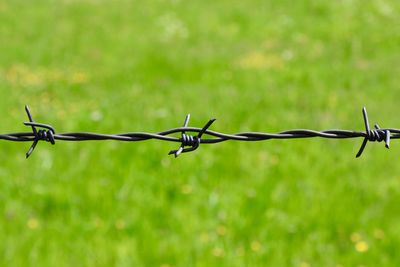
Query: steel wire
[45, 132]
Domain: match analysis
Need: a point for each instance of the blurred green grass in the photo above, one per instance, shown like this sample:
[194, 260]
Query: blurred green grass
[116, 66]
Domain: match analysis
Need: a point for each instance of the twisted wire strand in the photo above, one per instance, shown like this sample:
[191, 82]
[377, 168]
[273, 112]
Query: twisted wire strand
[190, 143]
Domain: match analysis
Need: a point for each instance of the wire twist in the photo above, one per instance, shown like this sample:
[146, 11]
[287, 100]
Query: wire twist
[373, 135]
[188, 140]
[41, 134]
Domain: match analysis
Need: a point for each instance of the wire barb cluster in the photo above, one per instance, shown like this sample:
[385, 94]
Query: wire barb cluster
[45, 135]
[189, 142]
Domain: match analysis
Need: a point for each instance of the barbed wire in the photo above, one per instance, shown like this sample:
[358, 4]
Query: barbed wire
[45, 132]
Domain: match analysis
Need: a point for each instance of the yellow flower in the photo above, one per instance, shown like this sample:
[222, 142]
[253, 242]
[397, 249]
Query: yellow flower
[304, 264]
[33, 223]
[79, 77]
[259, 60]
[221, 230]
[255, 246]
[218, 252]
[379, 234]
[355, 237]
[120, 224]
[186, 189]
[361, 246]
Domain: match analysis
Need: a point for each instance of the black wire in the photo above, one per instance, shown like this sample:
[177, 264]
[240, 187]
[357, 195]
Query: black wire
[47, 133]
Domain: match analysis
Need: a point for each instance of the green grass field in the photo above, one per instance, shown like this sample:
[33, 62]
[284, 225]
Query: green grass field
[118, 66]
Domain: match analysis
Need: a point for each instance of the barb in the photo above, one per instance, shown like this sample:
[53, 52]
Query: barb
[39, 135]
[373, 135]
[191, 142]
[188, 140]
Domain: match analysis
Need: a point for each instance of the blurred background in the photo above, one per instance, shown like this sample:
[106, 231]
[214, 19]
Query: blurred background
[118, 66]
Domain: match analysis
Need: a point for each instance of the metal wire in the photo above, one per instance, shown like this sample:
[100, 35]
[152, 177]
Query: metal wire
[45, 132]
